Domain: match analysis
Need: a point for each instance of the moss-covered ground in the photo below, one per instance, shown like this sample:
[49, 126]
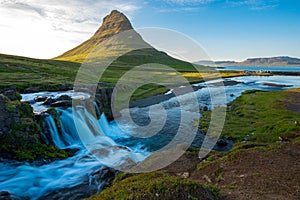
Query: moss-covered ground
[260, 116]
[157, 185]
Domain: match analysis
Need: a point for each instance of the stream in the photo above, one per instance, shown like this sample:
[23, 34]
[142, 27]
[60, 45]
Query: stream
[29, 181]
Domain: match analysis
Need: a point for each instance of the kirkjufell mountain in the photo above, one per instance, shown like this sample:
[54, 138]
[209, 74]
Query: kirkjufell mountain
[114, 23]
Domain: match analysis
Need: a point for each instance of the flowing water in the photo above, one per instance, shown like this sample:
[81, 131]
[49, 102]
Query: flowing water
[31, 181]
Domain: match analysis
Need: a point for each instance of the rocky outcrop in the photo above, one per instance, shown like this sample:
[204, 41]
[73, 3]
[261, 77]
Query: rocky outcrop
[20, 132]
[104, 100]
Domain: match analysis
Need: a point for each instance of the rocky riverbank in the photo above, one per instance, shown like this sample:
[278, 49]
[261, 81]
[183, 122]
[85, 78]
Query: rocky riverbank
[20, 131]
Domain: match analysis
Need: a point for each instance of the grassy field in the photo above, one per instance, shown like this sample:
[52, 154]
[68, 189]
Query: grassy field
[262, 116]
[25, 72]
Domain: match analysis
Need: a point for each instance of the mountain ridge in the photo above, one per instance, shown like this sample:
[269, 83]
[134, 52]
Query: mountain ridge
[265, 61]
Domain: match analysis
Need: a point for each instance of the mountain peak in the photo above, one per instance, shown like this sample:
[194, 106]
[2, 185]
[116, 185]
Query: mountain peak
[113, 23]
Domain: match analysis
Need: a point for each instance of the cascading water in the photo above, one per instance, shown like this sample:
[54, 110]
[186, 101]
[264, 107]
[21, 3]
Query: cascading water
[34, 182]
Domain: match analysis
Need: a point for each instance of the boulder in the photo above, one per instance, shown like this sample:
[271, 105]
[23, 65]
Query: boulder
[40, 98]
[48, 101]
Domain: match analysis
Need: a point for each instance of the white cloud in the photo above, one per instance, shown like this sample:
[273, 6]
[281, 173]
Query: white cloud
[47, 28]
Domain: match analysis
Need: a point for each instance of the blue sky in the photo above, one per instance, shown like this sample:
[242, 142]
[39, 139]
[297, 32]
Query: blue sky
[226, 29]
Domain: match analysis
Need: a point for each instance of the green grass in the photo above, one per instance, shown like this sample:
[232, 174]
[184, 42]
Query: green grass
[25, 72]
[156, 185]
[261, 115]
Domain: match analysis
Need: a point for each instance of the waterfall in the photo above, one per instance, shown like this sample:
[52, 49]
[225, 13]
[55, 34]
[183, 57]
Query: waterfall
[104, 124]
[66, 136]
[80, 129]
[82, 169]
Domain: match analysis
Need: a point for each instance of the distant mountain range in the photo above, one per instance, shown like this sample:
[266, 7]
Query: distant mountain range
[273, 61]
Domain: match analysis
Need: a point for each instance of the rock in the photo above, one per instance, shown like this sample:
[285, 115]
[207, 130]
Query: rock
[203, 108]
[40, 98]
[222, 142]
[48, 101]
[31, 90]
[246, 139]
[92, 184]
[232, 95]
[205, 177]
[103, 99]
[230, 138]
[185, 175]
[4, 194]
[64, 98]
[66, 103]
[7, 196]
[8, 114]
[62, 101]
[12, 94]
[20, 129]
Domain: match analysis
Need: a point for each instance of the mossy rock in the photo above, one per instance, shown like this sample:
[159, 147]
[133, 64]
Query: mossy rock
[21, 139]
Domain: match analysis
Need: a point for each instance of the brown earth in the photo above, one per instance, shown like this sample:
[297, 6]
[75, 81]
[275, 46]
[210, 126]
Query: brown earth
[250, 172]
[258, 173]
[293, 100]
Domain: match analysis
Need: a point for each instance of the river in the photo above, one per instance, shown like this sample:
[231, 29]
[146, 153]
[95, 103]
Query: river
[31, 181]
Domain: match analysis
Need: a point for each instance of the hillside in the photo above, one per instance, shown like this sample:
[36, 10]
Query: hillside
[273, 61]
[24, 72]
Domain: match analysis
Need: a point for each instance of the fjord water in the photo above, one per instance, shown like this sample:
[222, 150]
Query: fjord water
[32, 181]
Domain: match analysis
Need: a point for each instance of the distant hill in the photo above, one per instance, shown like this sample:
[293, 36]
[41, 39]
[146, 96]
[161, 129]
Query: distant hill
[273, 61]
[206, 63]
